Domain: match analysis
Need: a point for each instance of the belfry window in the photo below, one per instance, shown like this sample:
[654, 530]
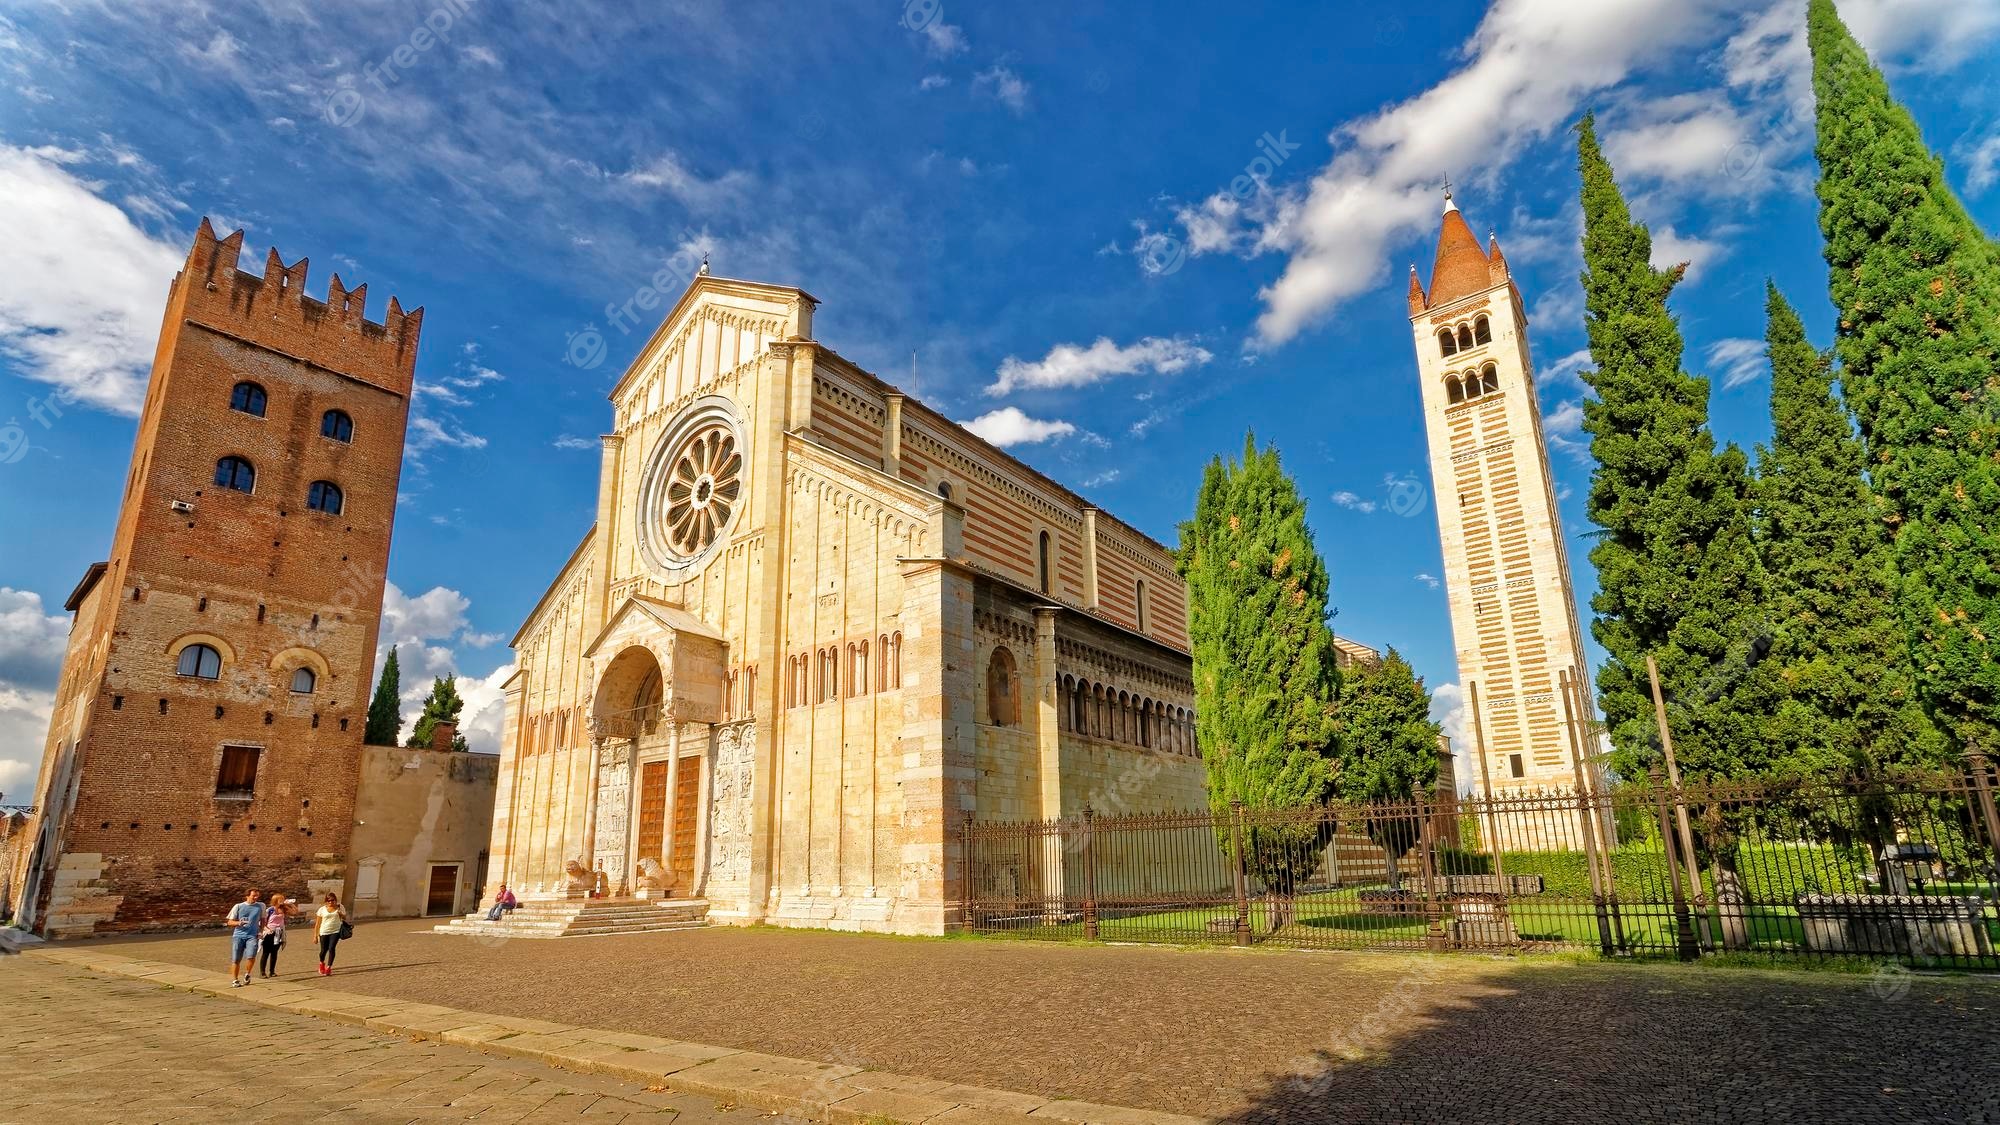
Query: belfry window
[248, 398]
[236, 473]
[324, 496]
[1464, 337]
[1482, 330]
[1454, 389]
[1447, 343]
[1489, 379]
[199, 661]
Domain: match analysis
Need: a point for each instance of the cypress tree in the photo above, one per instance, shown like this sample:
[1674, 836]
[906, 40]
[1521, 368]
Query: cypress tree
[1917, 286]
[1389, 749]
[1847, 695]
[442, 704]
[385, 709]
[1677, 571]
[1265, 677]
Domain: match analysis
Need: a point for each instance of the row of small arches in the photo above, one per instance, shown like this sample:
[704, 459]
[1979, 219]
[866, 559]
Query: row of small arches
[1453, 339]
[1097, 711]
[239, 474]
[251, 398]
[1473, 384]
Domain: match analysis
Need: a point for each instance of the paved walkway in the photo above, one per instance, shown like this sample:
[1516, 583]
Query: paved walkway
[81, 1047]
[1240, 1035]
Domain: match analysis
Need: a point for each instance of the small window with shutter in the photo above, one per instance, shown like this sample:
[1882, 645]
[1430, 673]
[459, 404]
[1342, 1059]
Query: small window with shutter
[238, 775]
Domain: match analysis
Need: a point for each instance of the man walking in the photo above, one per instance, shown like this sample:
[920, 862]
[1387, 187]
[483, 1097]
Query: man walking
[248, 918]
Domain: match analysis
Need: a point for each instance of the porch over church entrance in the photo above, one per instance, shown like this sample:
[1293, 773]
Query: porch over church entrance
[657, 697]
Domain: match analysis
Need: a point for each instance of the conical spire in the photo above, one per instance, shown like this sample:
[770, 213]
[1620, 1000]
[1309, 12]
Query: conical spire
[1417, 300]
[1461, 268]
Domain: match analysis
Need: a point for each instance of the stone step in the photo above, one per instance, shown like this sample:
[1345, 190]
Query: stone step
[584, 918]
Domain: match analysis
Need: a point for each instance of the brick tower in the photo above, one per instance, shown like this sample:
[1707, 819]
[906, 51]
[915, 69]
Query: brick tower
[1513, 610]
[207, 731]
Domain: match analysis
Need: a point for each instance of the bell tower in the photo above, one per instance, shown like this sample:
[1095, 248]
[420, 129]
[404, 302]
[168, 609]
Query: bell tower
[1513, 612]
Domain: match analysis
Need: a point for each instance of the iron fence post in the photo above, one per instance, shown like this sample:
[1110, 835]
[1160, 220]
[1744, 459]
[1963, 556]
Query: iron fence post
[1427, 869]
[1684, 943]
[1982, 784]
[965, 874]
[1242, 873]
[1089, 874]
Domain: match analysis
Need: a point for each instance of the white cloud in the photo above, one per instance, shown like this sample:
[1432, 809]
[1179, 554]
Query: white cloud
[1353, 500]
[32, 640]
[1009, 426]
[1008, 87]
[1072, 365]
[571, 441]
[428, 433]
[1739, 360]
[1671, 248]
[1527, 70]
[1568, 369]
[1685, 139]
[1099, 480]
[24, 730]
[424, 630]
[944, 39]
[1562, 429]
[1448, 711]
[668, 173]
[1982, 163]
[933, 82]
[1430, 580]
[81, 295]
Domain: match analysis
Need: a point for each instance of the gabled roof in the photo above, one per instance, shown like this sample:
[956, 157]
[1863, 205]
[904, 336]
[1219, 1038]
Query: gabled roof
[702, 283]
[669, 617]
[86, 583]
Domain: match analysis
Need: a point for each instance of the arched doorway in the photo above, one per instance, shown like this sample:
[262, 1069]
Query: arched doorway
[635, 816]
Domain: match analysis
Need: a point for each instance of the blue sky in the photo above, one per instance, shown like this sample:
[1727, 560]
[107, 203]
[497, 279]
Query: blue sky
[1033, 199]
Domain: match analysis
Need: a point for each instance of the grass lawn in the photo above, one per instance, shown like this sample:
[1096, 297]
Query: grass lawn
[1339, 919]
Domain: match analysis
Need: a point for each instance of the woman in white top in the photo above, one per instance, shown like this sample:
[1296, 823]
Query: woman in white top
[332, 916]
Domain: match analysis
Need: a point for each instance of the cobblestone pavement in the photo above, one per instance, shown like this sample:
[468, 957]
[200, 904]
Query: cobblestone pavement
[1252, 1036]
[81, 1047]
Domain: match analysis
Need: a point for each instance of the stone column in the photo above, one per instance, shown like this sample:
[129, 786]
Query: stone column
[1048, 743]
[672, 814]
[892, 436]
[628, 870]
[597, 741]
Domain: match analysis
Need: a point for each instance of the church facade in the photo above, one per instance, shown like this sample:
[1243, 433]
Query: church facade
[1506, 569]
[816, 626]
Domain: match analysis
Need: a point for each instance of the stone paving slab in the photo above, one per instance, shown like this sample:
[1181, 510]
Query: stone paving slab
[83, 1046]
[797, 1088]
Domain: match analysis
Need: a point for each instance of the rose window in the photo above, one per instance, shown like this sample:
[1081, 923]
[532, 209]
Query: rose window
[692, 487]
[702, 491]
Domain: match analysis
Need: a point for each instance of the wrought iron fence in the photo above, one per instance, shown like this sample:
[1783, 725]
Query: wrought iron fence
[1889, 868]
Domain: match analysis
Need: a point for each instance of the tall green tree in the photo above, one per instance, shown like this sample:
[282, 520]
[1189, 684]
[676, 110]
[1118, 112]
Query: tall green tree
[1264, 666]
[1847, 700]
[1389, 750]
[1917, 285]
[385, 710]
[444, 705]
[1677, 571]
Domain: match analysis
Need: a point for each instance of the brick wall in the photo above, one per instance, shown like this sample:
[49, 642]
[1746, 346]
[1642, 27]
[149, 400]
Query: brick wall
[270, 584]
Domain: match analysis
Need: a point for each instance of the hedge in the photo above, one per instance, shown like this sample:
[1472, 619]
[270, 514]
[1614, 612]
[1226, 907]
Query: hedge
[1771, 872]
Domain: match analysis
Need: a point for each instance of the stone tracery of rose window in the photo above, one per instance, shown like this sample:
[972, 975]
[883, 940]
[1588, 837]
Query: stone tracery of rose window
[702, 491]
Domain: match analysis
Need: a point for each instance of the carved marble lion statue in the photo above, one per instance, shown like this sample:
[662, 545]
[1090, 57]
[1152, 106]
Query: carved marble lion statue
[652, 877]
[576, 879]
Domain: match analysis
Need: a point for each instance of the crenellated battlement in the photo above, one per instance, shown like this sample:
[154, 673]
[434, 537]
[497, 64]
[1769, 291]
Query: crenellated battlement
[273, 310]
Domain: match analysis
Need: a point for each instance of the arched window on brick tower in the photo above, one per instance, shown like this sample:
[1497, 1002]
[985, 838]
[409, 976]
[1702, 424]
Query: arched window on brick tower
[1003, 689]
